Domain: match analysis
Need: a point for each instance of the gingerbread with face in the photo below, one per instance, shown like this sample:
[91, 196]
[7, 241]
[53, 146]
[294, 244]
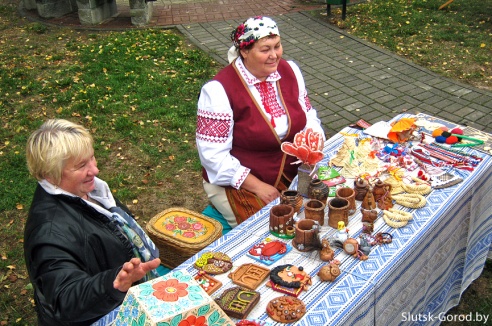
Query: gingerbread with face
[290, 276]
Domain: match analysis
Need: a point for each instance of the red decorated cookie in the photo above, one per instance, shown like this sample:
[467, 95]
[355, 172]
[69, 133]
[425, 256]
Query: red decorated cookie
[286, 309]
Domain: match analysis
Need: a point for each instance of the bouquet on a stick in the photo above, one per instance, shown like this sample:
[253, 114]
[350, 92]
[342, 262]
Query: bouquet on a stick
[307, 147]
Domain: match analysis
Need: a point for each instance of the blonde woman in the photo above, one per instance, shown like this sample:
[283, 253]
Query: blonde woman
[83, 249]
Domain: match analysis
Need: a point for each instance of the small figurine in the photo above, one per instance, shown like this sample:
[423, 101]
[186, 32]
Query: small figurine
[352, 247]
[367, 227]
[329, 272]
[342, 233]
[368, 218]
[364, 246]
[326, 253]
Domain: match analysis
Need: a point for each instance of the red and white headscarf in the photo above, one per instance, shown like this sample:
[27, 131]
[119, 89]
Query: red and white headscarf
[250, 31]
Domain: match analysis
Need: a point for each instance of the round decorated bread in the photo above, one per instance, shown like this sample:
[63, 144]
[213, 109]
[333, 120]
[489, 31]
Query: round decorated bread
[214, 263]
[286, 309]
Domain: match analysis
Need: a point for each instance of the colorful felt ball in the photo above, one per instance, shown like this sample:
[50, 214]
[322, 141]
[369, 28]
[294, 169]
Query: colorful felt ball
[441, 139]
[437, 132]
[457, 131]
[446, 134]
[451, 140]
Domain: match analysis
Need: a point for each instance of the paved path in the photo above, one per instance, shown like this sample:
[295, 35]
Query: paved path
[347, 78]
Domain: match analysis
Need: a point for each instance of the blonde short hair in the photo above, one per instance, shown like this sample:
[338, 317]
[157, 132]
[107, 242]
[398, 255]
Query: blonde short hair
[49, 148]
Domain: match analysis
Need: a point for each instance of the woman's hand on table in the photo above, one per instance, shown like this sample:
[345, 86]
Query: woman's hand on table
[264, 191]
[133, 271]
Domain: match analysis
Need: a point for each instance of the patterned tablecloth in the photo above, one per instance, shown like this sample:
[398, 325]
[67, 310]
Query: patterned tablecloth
[430, 262]
[418, 277]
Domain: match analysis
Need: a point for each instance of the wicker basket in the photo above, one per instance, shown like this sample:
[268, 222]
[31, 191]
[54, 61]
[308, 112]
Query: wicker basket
[179, 233]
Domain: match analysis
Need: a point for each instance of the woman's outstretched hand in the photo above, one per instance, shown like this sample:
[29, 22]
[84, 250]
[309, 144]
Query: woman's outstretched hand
[133, 271]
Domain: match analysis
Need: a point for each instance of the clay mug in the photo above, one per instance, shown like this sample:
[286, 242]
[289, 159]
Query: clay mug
[338, 211]
[306, 235]
[315, 210]
[281, 220]
[293, 198]
[349, 194]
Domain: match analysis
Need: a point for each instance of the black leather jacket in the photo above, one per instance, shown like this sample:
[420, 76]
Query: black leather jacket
[73, 254]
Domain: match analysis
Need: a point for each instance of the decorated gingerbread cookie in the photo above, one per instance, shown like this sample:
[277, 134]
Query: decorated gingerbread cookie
[286, 309]
[289, 279]
[238, 302]
[207, 282]
[249, 275]
[214, 263]
[269, 251]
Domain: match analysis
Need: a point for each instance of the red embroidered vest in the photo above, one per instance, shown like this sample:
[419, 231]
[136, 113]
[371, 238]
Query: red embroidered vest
[256, 144]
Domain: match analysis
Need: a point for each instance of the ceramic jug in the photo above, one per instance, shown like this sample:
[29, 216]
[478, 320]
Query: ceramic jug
[318, 190]
[380, 189]
[361, 186]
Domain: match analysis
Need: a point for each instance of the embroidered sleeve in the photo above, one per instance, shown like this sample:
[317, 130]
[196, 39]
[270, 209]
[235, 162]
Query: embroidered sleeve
[311, 113]
[214, 137]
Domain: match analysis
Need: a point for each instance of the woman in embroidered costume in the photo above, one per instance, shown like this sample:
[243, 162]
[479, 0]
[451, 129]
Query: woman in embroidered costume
[82, 247]
[244, 114]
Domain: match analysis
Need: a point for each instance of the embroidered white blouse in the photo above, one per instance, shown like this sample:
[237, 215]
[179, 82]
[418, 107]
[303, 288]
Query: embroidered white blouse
[214, 143]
